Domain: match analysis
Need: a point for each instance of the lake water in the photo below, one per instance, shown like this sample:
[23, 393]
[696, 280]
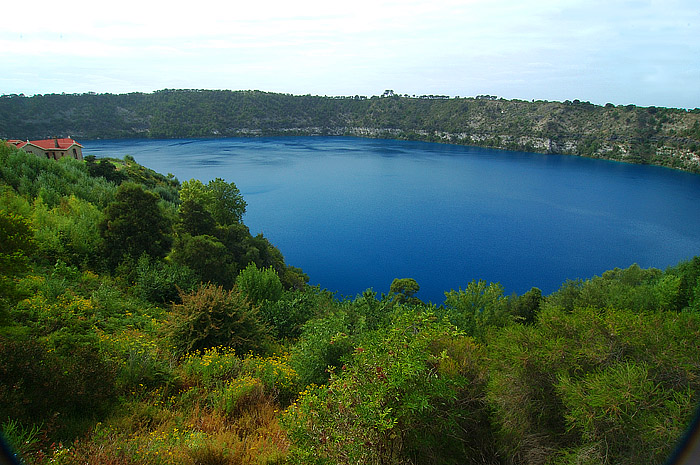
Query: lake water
[357, 213]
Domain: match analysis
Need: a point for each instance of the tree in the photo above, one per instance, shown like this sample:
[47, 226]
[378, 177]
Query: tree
[134, 225]
[404, 289]
[477, 307]
[525, 307]
[228, 206]
[221, 199]
[206, 256]
[195, 219]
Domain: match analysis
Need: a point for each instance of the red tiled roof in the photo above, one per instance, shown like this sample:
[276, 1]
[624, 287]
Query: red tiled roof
[49, 144]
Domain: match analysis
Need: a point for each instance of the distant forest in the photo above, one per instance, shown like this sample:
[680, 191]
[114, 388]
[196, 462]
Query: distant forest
[651, 135]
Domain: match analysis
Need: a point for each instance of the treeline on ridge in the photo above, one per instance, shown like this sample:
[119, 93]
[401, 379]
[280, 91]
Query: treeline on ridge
[142, 323]
[653, 135]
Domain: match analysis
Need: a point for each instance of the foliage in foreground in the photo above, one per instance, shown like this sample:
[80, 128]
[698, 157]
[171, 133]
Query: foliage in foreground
[127, 355]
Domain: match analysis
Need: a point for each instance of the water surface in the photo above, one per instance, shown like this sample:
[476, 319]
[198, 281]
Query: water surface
[356, 213]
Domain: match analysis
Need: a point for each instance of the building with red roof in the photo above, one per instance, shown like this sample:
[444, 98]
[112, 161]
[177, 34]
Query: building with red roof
[54, 149]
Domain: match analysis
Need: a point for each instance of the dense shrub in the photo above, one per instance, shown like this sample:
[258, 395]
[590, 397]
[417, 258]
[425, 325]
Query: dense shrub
[68, 231]
[259, 285]
[16, 244]
[134, 224]
[574, 380]
[323, 343]
[287, 315]
[478, 308]
[211, 316]
[206, 256]
[410, 393]
[631, 288]
[82, 384]
[161, 282]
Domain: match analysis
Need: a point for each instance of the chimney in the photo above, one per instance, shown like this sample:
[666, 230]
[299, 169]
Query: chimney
[55, 141]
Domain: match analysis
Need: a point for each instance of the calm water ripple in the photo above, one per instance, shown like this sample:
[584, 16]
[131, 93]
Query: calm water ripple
[356, 213]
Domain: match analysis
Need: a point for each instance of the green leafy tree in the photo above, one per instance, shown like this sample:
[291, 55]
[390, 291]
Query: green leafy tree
[221, 199]
[195, 219]
[134, 224]
[477, 308]
[525, 307]
[206, 256]
[228, 206]
[404, 289]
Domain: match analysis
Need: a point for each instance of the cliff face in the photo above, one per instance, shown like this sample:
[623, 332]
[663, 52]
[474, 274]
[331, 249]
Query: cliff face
[662, 136]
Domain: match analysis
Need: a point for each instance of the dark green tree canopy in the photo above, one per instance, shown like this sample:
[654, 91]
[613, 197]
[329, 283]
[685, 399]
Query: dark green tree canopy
[134, 224]
[206, 256]
[404, 290]
[105, 169]
[195, 219]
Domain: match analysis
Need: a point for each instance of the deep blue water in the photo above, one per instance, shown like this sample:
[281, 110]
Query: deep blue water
[356, 213]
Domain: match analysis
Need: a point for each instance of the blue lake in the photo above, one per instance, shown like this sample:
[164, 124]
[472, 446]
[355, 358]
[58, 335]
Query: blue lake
[357, 213]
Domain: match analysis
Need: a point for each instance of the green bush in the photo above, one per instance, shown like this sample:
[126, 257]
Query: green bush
[259, 285]
[69, 231]
[409, 393]
[477, 308]
[161, 282]
[211, 316]
[323, 344]
[16, 244]
[82, 384]
[134, 224]
[573, 381]
[287, 315]
[206, 256]
[623, 414]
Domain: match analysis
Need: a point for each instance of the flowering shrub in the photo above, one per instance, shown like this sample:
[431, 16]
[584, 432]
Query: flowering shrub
[140, 359]
[211, 365]
[275, 373]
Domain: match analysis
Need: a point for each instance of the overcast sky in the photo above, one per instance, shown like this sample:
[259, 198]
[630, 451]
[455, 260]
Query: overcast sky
[640, 52]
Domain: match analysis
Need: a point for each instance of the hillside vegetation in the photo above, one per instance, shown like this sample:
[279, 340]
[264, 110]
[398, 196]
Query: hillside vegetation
[141, 323]
[661, 136]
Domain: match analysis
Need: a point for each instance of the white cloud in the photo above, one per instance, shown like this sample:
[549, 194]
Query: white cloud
[527, 48]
